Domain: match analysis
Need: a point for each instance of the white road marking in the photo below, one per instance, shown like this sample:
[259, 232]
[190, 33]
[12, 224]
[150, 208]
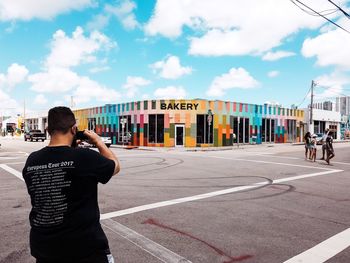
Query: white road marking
[12, 171]
[268, 162]
[14, 163]
[208, 195]
[325, 250]
[296, 158]
[151, 247]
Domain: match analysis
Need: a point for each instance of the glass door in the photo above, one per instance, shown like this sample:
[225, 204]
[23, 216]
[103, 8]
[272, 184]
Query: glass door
[179, 134]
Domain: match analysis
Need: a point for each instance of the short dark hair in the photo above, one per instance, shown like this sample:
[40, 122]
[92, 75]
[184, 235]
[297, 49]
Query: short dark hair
[60, 119]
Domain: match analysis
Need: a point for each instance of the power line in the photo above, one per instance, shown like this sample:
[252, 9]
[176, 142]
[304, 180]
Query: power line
[304, 98]
[331, 11]
[321, 15]
[342, 10]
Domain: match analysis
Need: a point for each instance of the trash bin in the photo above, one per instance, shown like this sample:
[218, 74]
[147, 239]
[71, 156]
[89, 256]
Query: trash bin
[253, 139]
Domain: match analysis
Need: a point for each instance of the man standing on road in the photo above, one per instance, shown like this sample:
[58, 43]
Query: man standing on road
[62, 184]
[324, 137]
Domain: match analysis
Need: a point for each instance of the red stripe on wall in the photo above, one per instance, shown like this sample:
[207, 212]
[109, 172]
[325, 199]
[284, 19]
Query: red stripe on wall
[240, 107]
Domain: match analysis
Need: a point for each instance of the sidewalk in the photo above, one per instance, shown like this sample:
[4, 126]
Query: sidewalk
[202, 149]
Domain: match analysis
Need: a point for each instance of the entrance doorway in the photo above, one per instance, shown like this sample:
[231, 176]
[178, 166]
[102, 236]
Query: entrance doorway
[179, 134]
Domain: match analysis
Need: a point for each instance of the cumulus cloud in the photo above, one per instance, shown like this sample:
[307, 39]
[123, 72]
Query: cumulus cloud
[54, 80]
[89, 89]
[133, 84]
[235, 79]
[15, 75]
[72, 51]
[40, 99]
[332, 85]
[66, 53]
[273, 56]
[329, 48]
[170, 68]
[42, 9]
[273, 73]
[170, 92]
[9, 106]
[124, 13]
[224, 27]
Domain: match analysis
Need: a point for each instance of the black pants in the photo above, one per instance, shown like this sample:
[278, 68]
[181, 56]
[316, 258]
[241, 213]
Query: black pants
[97, 257]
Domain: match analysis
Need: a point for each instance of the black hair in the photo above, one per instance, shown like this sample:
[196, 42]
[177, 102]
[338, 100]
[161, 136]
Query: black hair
[60, 119]
[307, 135]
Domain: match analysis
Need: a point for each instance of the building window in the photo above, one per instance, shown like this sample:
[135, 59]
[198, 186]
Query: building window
[156, 128]
[204, 133]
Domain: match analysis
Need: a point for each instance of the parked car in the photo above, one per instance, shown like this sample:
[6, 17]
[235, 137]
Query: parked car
[319, 138]
[106, 140]
[34, 135]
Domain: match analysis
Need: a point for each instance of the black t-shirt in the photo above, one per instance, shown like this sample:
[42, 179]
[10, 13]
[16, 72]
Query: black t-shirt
[65, 217]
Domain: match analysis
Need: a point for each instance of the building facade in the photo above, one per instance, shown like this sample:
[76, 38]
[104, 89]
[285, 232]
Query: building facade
[323, 119]
[192, 123]
[343, 105]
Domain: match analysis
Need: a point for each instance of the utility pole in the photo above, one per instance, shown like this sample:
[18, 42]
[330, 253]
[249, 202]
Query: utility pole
[24, 114]
[313, 84]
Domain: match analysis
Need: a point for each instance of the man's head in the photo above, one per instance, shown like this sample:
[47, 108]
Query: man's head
[61, 120]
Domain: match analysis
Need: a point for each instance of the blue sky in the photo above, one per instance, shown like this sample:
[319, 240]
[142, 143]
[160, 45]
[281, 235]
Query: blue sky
[99, 52]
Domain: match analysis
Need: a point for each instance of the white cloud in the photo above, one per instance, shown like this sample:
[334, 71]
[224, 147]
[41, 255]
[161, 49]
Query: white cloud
[224, 27]
[99, 69]
[273, 56]
[98, 22]
[331, 85]
[42, 9]
[72, 51]
[170, 92]
[89, 89]
[133, 84]
[40, 99]
[329, 48]
[273, 73]
[170, 68]
[67, 52]
[235, 79]
[54, 80]
[8, 106]
[124, 13]
[15, 75]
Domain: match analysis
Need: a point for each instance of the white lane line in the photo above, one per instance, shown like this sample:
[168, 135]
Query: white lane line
[14, 163]
[296, 158]
[325, 250]
[268, 162]
[151, 247]
[12, 171]
[208, 195]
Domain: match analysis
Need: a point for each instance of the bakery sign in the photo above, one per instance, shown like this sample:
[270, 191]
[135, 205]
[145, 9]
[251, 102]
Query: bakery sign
[179, 106]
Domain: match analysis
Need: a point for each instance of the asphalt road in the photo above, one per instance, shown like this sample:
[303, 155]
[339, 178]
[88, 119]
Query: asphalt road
[261, 204]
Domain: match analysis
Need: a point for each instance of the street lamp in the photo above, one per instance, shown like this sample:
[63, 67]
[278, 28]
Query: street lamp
[209, 119]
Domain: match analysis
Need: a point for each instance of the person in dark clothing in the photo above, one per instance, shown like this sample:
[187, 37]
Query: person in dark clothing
[62, 184]
[329, 148]
[324, 137]
[307, 140]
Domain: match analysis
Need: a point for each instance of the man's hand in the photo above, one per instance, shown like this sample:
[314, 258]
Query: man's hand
[93, 137]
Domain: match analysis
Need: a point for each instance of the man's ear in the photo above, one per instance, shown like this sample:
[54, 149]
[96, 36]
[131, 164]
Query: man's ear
[73, 130]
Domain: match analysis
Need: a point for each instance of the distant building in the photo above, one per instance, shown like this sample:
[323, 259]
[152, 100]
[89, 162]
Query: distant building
[326, 105]
[343, 105]
[323, 119]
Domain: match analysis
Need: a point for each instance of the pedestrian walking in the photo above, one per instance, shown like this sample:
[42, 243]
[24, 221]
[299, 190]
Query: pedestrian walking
[324, 137]
[62, 184]
[307, 140]
[313, 147]
[329, 148]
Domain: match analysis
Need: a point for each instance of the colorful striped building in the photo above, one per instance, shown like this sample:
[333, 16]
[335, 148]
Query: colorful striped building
[192, 123]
